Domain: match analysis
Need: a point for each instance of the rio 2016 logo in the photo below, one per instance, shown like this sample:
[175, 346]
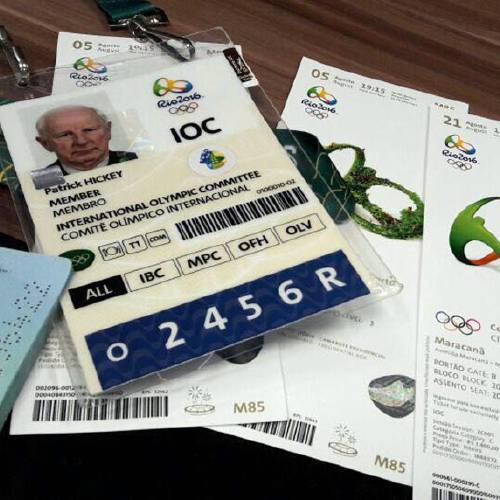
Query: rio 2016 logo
[455, 141]
[319, 92]
[163, 86]
[182, 103]
[89, 73]
[468, 227]
[462, 159]
[90, 65]
[320, 103]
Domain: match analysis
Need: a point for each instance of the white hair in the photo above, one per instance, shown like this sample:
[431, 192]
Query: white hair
[42, 121]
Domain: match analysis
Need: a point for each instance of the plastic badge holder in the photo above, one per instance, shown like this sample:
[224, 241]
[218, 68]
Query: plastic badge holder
[224, 312]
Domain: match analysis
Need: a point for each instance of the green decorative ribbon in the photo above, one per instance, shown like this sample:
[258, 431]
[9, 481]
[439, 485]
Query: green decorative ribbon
[117, 10]
[340, 195]
[359, 179]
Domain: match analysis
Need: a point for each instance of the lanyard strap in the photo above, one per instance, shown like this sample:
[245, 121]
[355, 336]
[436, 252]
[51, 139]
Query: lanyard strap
[118, 12]
[140, 16]
[312, 161]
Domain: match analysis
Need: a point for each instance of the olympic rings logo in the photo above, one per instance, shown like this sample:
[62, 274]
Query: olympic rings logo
[81, 259]
[87, 83]
[455, 141]
[456, 322]
[320, 93]
[163, 86]
[90, 65]
[317, 113]
[459, 164]
[184, 108]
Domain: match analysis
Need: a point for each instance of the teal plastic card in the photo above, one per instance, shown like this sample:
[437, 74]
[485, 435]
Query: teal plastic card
[30, 285]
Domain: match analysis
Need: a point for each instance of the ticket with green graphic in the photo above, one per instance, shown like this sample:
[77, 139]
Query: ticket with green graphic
[457, 439]
[189, 227]
[371, 140]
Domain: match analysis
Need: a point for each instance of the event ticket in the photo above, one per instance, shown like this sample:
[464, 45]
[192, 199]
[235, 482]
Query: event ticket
[87, 61]
[51, 404]
[48, 401]
[457, 437]
[350, 378]
[191, 232]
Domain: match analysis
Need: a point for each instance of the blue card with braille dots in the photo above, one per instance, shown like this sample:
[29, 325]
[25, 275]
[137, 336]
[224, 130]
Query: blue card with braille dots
[30, 285]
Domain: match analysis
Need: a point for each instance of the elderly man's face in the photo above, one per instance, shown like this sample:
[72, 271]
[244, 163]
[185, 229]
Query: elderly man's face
[78, 137]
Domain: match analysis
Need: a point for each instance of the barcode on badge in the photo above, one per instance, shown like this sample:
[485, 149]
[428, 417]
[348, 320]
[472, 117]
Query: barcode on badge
[440, 494]
[239, 214]
[71, 410]
[293, 430]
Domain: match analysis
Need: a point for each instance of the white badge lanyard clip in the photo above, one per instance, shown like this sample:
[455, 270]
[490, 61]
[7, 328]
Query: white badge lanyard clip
[141, 18]
[178, 47]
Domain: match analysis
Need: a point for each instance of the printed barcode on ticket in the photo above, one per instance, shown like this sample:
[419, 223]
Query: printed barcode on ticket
[72, 410]
[293, 430]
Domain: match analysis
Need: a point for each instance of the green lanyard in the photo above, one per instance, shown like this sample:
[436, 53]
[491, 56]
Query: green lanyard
[118, 12]
[312, 161]
[140, 16]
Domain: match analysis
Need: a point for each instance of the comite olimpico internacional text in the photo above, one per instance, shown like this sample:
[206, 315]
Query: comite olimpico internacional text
[141, 211]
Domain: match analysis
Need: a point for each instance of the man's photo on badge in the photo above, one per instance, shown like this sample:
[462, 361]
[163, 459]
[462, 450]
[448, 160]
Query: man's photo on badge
[79, 137]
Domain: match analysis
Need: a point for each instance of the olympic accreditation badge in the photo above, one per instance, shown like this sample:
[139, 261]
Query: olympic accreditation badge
[193, 234]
